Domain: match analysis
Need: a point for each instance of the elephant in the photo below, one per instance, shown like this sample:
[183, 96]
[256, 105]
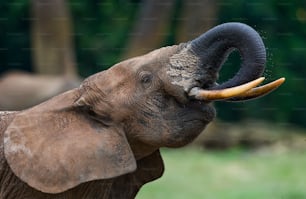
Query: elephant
[31, 88]
[103, 139]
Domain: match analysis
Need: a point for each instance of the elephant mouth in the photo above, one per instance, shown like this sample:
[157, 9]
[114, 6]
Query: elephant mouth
[206, 112]
[200, 99]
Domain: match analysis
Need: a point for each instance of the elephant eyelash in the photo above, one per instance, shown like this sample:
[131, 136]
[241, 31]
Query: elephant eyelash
[146, 78]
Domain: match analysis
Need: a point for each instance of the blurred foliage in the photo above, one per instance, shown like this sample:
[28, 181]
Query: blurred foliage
[101, 32]
[102, 29]
[15, 50]
[282, 24]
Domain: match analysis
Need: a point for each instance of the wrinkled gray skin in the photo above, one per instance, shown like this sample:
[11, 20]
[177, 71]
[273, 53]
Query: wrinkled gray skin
[148, 97]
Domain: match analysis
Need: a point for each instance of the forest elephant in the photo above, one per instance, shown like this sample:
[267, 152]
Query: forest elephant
[21, 90]
[102, 139]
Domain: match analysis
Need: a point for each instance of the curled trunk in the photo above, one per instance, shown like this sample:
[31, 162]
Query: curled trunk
[195, 68]
[214, 46]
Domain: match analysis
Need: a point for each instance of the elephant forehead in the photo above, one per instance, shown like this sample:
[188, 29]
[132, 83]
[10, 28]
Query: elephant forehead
[156, 59]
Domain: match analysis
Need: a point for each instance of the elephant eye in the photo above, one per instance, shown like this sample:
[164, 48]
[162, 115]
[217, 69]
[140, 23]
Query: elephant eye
[146, 78]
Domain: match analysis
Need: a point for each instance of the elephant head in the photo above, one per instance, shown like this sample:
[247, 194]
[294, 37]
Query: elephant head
[124, 114]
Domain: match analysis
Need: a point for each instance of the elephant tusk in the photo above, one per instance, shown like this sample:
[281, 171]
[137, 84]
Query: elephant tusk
[258, 91]
[212, 95]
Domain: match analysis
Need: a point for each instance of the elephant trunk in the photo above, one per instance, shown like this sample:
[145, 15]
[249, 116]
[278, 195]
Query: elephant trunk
[196, 67]
[214, 46]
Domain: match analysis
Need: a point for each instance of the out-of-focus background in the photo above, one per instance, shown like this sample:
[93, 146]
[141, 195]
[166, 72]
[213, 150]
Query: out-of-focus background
[255, 149]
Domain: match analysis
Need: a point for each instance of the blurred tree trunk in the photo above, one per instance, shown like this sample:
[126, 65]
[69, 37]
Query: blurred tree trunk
[197, 17]
[52, 38]
[151, 27]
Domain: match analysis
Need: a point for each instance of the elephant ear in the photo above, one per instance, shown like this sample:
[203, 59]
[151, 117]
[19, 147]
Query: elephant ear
[54, 146]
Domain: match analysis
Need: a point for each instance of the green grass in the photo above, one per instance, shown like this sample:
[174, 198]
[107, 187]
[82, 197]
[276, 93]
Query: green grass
[233, 174]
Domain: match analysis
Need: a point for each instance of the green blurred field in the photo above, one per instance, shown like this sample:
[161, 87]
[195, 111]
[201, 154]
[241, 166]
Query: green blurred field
[233, 174]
